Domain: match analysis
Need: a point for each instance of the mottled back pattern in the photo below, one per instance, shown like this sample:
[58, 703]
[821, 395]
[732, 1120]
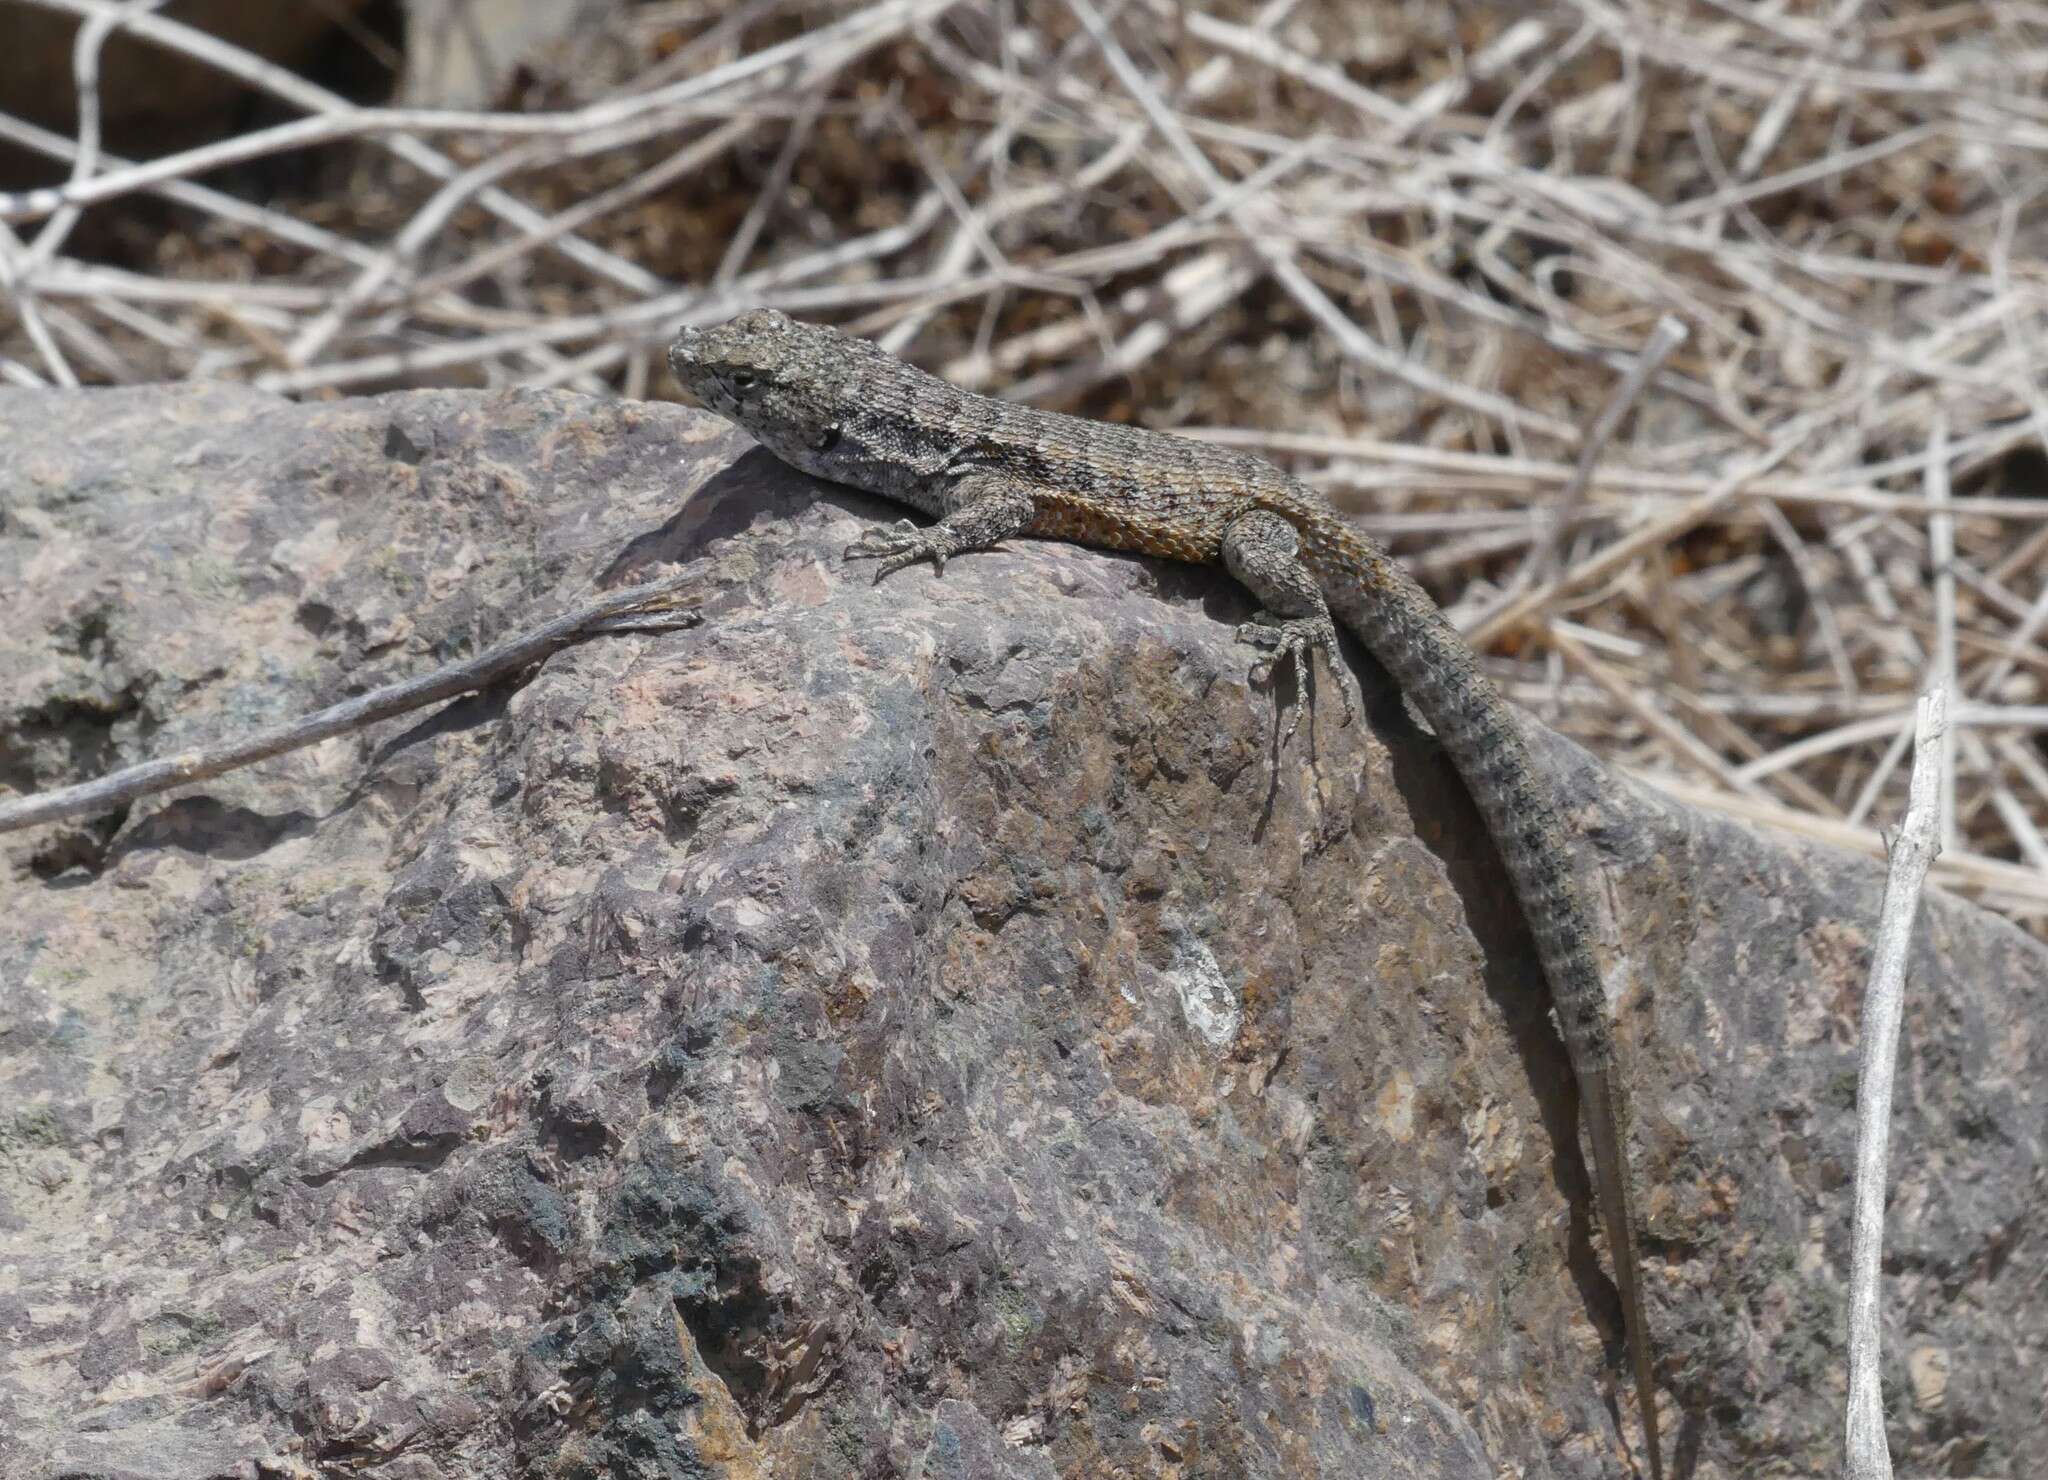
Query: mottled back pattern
[896, 431]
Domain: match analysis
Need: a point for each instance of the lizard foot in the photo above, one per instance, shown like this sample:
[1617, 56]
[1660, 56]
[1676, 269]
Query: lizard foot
[902, 544]
[1299, 638]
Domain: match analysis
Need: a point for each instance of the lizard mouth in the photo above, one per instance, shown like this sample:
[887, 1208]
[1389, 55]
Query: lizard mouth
[686, 363]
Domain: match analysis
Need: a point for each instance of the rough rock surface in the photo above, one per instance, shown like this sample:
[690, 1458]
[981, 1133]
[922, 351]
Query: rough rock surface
[915, 1030]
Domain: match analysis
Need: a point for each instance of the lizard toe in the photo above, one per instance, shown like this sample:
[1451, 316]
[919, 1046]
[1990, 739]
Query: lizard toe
[906, 544]
[1297, 640]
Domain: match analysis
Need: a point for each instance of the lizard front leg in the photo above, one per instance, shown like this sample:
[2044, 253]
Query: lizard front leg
[986, 508]
[1263, 551]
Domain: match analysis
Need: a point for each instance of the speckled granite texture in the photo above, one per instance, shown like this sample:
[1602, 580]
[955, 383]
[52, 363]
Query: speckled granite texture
[905, 1031]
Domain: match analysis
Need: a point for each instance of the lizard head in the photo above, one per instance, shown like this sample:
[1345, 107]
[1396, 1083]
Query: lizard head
[783, 380]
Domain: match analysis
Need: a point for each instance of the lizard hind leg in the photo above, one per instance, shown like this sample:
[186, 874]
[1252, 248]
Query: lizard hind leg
[1263, 550]
[985, 508]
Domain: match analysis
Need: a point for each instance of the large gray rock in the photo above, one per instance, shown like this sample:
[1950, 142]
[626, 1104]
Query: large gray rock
[906, 1030]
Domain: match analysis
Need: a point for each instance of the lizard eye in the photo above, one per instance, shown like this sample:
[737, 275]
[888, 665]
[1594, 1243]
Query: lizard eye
[743, 380]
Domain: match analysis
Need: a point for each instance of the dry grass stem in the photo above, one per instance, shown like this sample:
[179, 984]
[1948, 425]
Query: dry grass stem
[1919, 843]
[652, 607]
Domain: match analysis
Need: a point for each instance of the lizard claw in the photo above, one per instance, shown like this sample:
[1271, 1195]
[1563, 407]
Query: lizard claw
[1298, 638]
[904, 544]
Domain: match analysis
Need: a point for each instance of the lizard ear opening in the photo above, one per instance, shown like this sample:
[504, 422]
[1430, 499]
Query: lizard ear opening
[825, 440]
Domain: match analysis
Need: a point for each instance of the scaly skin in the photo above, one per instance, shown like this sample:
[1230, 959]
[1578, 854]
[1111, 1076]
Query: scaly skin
[845, 410]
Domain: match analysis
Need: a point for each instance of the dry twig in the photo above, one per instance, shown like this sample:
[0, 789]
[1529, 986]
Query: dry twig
[655, 606]
[1919, 841]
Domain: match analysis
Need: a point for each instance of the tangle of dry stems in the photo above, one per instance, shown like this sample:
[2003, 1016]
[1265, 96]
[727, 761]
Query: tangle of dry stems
[1692, 348]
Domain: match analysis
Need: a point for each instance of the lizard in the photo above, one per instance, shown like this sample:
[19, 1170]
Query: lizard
[844, 409]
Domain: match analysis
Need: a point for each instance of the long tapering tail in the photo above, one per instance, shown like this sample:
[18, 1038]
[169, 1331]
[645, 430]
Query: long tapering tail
[1605, 1111]
[1402, 627]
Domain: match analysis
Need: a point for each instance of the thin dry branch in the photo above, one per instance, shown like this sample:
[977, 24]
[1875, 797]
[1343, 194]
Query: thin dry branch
[1653, 534]
[1919, 842]
[655, 606]
[289, 87]
[1666, 337]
